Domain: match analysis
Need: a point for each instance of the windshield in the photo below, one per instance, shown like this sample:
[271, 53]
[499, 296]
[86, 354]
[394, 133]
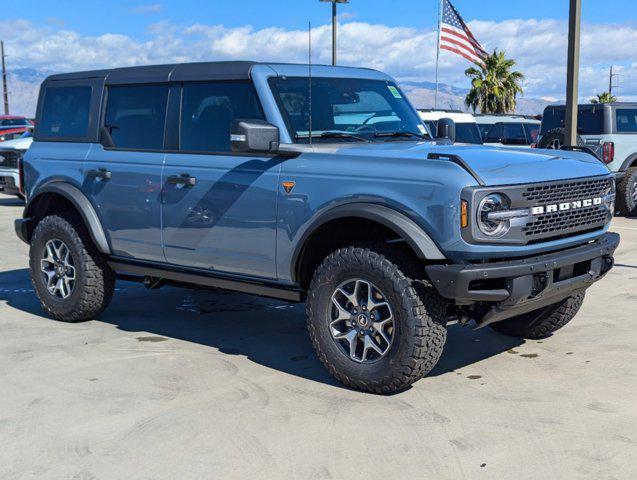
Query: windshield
[14, 122]
[347, 109]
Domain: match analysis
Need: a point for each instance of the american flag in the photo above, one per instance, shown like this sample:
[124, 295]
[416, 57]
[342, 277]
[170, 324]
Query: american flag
[456, 37]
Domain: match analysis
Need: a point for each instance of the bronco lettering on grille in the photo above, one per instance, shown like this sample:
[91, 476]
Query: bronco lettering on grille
[561, 207]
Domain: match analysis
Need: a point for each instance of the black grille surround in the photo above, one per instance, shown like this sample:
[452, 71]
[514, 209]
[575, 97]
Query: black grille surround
[550, 224]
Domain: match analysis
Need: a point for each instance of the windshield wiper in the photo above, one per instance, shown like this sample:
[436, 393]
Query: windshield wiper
[332, 135]
[399, 134]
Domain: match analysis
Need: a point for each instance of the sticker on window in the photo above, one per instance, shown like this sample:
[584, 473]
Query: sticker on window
[422, 129]
[394, 91]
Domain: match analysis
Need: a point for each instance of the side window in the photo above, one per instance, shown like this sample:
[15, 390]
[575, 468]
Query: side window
[208, 110]
[514, 134]
[627, 120]
[495, 134]
[65, 112]
[136, 116]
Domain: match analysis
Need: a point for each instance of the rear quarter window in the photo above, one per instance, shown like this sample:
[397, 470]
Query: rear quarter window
[65, 112]
[626, 119]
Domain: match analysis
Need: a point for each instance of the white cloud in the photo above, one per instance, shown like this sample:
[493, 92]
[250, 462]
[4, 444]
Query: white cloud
[539, 46]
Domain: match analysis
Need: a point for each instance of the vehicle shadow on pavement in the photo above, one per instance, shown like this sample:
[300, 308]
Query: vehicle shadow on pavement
[268, 332]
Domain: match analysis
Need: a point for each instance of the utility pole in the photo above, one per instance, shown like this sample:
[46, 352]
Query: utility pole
[572, 75]
[610, 80]
[4, 79]
[334, 23]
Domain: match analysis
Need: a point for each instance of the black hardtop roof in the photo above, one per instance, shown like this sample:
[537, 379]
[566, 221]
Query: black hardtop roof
[236, 70]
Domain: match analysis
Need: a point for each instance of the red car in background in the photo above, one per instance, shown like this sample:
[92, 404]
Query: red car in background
[13, 121]
[13, 132]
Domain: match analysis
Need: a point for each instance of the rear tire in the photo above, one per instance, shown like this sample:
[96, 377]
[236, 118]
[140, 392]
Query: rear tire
[70, 277]
[413, 344]
[555, 139]
[627, 194]
[541, 323]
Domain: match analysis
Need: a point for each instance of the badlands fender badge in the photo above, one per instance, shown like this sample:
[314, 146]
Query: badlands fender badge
[288, 186]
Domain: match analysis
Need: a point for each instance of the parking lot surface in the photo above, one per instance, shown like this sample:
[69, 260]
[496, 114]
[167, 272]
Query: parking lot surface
[174, 383]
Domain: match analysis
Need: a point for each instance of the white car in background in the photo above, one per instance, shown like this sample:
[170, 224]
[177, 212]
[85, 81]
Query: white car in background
[11, 152]
[509, 130]
[466, 127]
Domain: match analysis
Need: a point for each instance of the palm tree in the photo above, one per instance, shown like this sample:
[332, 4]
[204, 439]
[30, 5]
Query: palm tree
[605, 97]
[494, 86]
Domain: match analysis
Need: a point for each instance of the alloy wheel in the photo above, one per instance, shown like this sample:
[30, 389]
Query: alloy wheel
[58, 269]
[361, 321]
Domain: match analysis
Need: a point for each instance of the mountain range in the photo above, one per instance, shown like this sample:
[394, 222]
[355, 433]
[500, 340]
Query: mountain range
[24, 84]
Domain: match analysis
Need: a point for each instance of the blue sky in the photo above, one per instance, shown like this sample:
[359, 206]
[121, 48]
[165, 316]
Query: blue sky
[132, 18]
[397, 36]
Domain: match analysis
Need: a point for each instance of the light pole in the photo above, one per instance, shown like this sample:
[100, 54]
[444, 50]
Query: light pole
[334, 2]
[572, 74]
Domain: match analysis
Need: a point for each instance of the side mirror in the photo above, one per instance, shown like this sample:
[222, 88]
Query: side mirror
[254, 136]
[446, 129]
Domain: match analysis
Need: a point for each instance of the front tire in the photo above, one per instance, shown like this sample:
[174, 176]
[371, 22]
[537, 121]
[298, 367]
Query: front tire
[541, 323]
[70, 277]
[627, 194]
[374, 327]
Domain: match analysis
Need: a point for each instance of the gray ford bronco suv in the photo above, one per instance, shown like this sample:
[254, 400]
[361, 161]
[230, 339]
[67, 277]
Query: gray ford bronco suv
[326, 189]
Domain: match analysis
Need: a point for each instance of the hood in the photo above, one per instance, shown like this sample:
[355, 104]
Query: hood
[17, 144]
[494, 165]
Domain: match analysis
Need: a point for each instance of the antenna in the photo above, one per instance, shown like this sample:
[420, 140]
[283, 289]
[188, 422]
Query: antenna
[309, 81]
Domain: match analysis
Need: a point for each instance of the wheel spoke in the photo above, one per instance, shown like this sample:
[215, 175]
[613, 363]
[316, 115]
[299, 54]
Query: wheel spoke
[368, 344]
[343, 314]
[351, 338]
[380, 328]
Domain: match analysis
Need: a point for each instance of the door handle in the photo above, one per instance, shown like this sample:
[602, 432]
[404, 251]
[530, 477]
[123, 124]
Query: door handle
[100, 173]
[184, 179]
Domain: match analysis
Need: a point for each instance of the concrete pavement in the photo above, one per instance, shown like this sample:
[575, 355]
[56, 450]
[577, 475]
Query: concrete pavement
[179, 384]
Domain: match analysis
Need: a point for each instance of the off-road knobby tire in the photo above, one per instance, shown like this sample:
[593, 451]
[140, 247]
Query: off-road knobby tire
[95, 281]
[419, 320]
[543, 322]
[625, 190]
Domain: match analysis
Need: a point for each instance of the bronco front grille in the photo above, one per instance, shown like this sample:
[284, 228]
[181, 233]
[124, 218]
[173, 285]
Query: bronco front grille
[547, 211]
[9, 158]
[569, 222]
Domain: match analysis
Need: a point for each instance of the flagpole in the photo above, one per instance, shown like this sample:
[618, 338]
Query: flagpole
[438, 51]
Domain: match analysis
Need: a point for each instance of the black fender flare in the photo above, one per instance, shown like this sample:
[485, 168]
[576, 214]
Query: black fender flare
[81, 204]
[415, 236]
[632, 159]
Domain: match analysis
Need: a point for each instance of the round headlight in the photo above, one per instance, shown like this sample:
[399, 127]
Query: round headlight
[493, 203]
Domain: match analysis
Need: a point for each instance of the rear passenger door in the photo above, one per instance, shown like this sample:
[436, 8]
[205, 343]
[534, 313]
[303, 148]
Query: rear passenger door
[219, 208]
[124, 181]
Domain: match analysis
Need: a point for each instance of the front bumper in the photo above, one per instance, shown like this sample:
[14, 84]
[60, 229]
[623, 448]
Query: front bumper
[518, 286]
